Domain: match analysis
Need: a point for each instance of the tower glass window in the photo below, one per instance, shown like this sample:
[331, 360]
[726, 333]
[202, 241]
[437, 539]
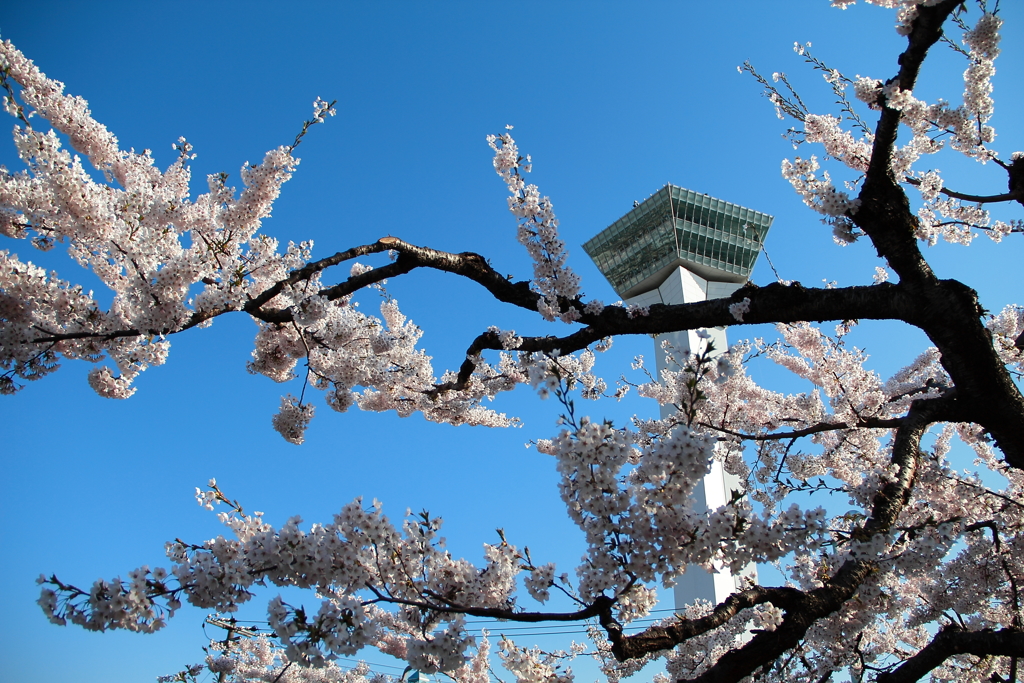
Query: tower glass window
[677, 227]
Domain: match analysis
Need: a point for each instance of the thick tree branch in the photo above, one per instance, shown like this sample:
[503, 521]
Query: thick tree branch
[775, 303]
[950, 314]
[657, 638]
[884, 214]
[1015, 178]
[951, 641]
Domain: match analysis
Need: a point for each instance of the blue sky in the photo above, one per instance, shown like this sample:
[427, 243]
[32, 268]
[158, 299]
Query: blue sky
[612, 101]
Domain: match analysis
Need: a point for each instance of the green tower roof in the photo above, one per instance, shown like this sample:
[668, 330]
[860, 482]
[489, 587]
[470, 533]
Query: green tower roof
[676, 227]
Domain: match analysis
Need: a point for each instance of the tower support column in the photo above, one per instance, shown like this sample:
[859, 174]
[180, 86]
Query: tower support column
[715, 490]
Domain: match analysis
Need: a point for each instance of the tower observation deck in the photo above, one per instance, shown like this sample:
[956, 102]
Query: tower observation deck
[674, 227]
[675, 247]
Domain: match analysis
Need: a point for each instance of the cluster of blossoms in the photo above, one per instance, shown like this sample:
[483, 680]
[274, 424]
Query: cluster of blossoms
[954, 222]
[839, 144]
[254, 658]
[345, 350]
[637, 311]
[739, 309]
[539, 582]
[532, 665]
[821, 195]
[983, 43]
[321, 108]
[111, 604]
[361, 552]
[632, 500]
[548, 373]
[153, 247]
[509, 339]
[131, 236]
[1006, 328]
[538, 232]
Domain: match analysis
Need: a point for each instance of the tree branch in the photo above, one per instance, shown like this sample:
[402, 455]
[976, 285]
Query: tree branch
[884, 214]
[967, 352]
[656, 638]
[953, 640]
[980, 199]
[601, 604]
[867, 423]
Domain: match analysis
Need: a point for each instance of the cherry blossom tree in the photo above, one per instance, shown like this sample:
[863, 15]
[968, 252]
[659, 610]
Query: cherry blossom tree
[920, 578]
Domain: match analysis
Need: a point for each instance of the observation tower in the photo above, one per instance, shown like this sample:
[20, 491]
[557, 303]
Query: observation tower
[675, 247]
